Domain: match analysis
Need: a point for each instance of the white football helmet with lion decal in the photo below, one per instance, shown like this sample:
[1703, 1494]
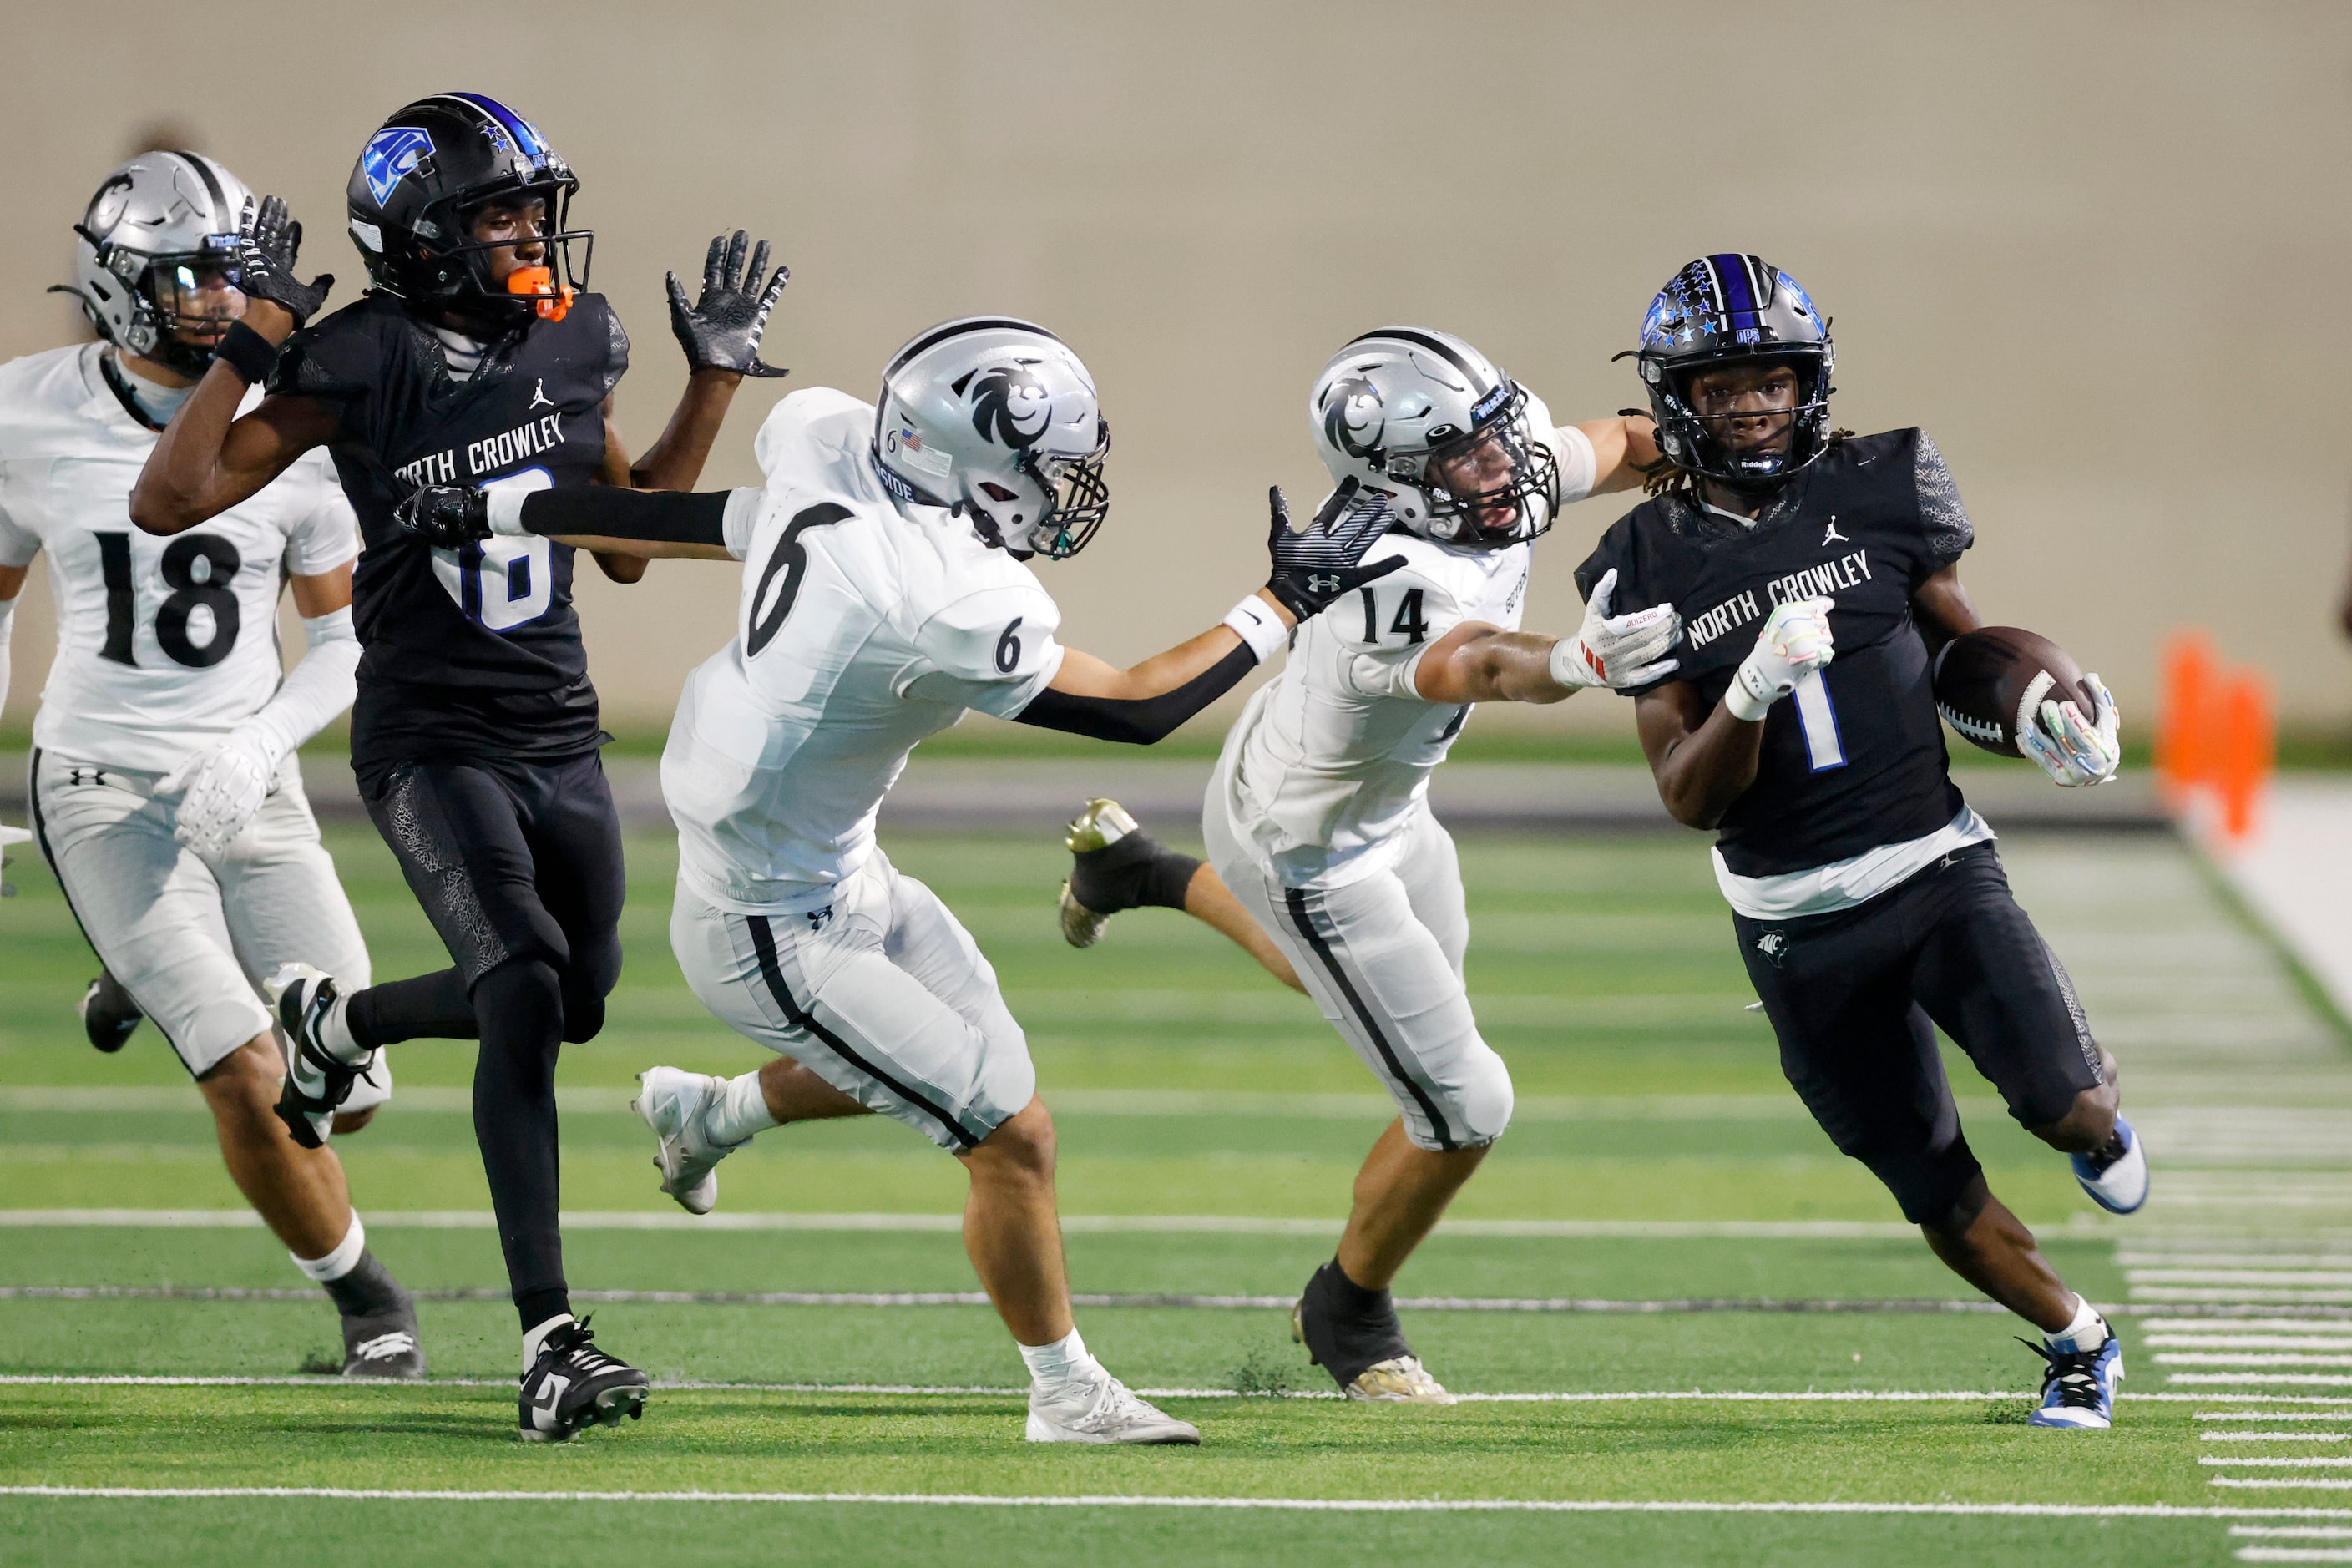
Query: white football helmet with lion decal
[996, 420]
[1423, 419]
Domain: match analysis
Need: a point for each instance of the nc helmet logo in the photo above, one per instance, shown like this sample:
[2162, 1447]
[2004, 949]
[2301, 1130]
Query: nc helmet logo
[392, 156]
[1011, 406]
[1354, 419]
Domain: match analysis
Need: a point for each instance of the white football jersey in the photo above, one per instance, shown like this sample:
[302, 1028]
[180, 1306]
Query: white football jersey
[1336, 750]
[862, 627]
[163, 645]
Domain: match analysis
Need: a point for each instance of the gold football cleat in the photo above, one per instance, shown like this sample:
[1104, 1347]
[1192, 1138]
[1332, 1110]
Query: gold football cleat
[1400, 1380]
[1101, 825]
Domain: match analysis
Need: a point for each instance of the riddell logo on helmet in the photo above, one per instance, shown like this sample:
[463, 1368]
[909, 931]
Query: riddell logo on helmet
[392, 155]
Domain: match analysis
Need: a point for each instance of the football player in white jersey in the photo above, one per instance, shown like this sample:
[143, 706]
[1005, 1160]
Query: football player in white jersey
[887, 591]
[164, 788]
[1324, 860]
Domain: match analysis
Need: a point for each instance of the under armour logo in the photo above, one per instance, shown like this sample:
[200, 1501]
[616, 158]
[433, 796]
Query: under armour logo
[1318, 583]
[1773, 945]
[1833, 536]
[539, 398]
[84, 776]
[817, 917]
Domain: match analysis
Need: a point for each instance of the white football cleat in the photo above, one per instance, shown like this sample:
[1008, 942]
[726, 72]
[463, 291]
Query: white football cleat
[2116, 1183]
[1099, 1409]
[676, 1104]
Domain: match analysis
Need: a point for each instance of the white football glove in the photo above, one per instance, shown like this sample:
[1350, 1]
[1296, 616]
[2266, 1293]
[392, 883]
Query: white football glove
[1617, 651]
[1794, 643]
[221, 790]
[2075, 750]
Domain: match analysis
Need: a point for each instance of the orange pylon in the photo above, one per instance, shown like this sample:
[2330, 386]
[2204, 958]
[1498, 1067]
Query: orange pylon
[2215, 731]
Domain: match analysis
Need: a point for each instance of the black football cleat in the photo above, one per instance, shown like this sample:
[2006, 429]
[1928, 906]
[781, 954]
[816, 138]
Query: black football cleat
[1352, 1333]
[109, 1017]
[383, 1343]
[574, 1386]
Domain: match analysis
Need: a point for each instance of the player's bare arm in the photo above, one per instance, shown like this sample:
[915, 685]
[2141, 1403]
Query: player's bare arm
[1623, 449]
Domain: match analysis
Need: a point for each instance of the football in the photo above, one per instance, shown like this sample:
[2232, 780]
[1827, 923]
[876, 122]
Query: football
[1991, 681]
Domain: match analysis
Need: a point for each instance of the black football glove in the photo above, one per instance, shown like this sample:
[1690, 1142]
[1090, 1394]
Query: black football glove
[1315, 569]
[443, 516]
[721, 329]
[267, 242]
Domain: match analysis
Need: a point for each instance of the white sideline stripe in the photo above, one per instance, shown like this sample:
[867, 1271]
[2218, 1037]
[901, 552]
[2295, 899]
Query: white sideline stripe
[2244, 1295]
[2293, 1554]
[2274, 1436]
[1131, 1499]
[2316, 1483]
[2295, 1462]
[2125, 1258]
[1219, 1224]
[2205, 1328]
[1733, 1397]
[2224, 1358]
[2222, 1339]
[2294, 1531]
[2270, 1415]
[2291, 1380]
[2278, 1277]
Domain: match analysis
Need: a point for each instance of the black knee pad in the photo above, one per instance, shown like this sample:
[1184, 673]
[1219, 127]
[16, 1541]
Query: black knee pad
[588, 979]
[516, 990]
[1930, 1185]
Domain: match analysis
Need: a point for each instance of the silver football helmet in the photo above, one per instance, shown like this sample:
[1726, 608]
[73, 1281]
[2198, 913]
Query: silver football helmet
[996, 420]
[157, 264]
[1422, 417]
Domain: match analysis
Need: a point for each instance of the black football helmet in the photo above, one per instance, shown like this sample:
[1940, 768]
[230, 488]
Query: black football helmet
[419, 180]
[1734, 307]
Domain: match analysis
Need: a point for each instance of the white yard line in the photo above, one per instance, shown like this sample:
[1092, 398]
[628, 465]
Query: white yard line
[2297, 1462]
[2274, 1436]
[2282, 1379]
[2296, 1532]
[2226, 1358]
[2271, 1414]
[2223, 1340]
[2314, 1483]
[1130, 1500]
[2274, 1279]
[2293, 1554]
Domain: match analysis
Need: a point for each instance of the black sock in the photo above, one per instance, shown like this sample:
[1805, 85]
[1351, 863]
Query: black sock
[521, 1007]
[432, 1007]
[368, 1289]
[1354, 1300]
[1135, 872]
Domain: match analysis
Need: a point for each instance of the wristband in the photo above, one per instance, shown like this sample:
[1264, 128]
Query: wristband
[1568, 665]
[1746, 704]
[247, 352]
[1259, 627]
[502, 509]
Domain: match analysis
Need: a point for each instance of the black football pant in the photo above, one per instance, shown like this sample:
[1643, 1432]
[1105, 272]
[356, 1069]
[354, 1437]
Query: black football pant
[1854, 997]
[517, 866]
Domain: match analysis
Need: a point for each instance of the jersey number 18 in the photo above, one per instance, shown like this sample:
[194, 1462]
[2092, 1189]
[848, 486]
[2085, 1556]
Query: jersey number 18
[196, 568]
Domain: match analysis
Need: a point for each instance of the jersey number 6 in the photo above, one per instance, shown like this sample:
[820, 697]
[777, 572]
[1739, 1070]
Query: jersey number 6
[791, 558]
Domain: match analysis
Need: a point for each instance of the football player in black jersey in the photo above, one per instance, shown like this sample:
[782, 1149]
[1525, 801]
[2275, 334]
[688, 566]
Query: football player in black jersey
[477, 359]
[1869, 902]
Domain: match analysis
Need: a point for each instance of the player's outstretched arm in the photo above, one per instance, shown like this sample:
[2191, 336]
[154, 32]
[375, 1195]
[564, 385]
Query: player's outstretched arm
[209, 460]
[720, 332]
[605, 518]
[1145, 703]
[1704, 758]
[1477, 662]
[1624, 449]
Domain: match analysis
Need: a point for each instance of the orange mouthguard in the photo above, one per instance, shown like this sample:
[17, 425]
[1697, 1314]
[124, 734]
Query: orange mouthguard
[538, 283]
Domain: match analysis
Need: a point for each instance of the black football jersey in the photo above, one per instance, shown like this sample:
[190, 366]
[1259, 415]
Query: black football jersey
[474, 651]
[1855, 759]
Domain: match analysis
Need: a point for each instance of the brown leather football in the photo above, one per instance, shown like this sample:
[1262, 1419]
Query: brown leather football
[1994, 679]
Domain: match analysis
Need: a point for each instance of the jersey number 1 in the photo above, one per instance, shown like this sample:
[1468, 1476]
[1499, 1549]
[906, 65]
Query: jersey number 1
[1817, 716]
[190, 592]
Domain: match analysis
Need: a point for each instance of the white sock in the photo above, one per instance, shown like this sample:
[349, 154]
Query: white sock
[335, 1033]
[339, 1262]
[534, 1338]
[1062, 1362]
[2088, 1330]
[740, 1111]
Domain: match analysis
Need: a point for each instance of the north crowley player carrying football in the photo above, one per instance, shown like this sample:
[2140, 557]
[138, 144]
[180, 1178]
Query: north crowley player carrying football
[1867, 895]
[1326, 863]
[885, 592]
[166, 795]
[475, 359]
